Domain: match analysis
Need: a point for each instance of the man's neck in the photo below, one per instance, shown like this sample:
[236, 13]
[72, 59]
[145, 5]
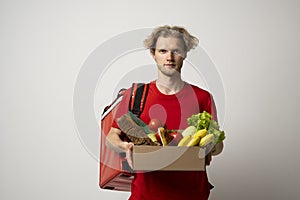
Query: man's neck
[169, 85]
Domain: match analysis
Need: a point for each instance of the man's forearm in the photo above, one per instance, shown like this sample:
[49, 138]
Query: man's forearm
[113, 140]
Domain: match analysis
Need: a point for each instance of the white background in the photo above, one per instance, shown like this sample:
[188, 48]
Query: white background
[255, 46]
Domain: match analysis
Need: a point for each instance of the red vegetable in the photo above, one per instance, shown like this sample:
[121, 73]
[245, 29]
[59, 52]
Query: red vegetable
[157, 137]
[176, 137]
[154, 124]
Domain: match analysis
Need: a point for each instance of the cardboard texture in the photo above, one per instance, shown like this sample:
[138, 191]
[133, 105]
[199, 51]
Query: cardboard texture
[168, 158]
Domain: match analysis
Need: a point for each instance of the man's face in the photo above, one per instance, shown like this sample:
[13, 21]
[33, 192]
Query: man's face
[169, 55]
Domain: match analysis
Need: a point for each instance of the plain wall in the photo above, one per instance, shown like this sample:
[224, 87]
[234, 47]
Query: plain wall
[254, 45]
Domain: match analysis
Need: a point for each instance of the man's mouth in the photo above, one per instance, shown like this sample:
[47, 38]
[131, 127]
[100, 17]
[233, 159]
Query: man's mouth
[169, 65]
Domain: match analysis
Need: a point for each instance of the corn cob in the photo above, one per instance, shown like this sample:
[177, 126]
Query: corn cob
[206, 140]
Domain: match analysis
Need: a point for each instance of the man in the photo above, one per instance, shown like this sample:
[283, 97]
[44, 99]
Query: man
[172, 101]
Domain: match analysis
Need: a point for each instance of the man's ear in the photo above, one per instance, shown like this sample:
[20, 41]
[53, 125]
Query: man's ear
[152, 52]
[184, 55]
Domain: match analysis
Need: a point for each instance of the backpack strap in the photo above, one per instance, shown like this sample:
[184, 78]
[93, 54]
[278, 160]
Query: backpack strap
[108, 108]
[138, 98]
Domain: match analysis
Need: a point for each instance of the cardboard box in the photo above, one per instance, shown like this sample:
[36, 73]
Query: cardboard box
[169, 158]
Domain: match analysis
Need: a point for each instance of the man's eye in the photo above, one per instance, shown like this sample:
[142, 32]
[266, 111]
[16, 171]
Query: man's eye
[163, 51]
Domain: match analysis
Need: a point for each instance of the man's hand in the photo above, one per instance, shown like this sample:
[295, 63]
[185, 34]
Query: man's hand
[127, 148]
[218, 148]
[115, 143]
[208, 158]
[213, 151]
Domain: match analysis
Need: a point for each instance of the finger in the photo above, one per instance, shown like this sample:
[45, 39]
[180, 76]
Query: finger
[207, 162]
[130, 145]
[125, 146]
[208, 159]
[209, 147]
[129, 157]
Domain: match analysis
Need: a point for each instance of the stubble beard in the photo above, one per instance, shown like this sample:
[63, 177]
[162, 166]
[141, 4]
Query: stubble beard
[169, 72]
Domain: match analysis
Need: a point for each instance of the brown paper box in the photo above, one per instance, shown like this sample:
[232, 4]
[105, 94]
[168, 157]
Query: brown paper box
[168, 158]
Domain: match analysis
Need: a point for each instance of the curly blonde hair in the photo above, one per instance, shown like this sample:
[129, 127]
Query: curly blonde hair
[190, 42]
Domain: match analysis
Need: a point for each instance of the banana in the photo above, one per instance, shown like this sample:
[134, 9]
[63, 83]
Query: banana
[201, 133]
[206, 140]
[194, 141]
[184, 141]
[197, 137]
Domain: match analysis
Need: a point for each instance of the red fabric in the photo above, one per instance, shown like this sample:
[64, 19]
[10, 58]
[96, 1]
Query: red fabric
[173, 110]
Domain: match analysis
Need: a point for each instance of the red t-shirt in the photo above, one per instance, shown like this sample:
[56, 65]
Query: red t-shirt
[173, 111]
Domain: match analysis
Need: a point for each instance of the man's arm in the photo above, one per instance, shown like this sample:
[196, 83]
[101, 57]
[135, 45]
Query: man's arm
[114, 142]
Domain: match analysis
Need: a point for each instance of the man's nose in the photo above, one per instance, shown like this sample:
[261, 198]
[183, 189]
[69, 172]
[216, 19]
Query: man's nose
[170, 55]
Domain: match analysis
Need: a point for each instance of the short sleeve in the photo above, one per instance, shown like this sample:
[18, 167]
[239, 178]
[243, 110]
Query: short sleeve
[211, 107]
[206, 102]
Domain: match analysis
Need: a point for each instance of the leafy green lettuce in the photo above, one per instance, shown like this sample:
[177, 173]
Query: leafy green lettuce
[203, 120]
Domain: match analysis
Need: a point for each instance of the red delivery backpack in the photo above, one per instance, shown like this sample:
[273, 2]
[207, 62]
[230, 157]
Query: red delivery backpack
[115, 173]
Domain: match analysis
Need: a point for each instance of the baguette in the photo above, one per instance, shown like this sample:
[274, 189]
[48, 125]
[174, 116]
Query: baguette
[134, 132]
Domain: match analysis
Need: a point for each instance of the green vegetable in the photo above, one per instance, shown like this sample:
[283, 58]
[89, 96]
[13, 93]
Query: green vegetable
[203, 120]
[191, 130]
[219, 135]
[200, 120]
[152, 137]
